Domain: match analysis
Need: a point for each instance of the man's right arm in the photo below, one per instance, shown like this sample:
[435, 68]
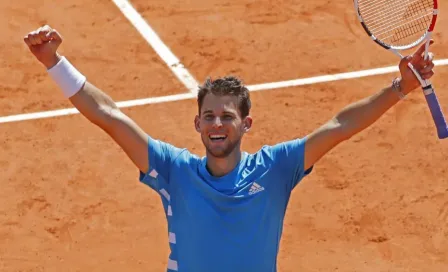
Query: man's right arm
[101, 110]
[94, 104]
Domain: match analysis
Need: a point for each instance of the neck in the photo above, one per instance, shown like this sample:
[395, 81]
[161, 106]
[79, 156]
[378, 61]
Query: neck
[219, 167]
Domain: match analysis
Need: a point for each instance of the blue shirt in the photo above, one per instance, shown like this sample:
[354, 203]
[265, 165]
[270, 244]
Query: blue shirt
[230, 223]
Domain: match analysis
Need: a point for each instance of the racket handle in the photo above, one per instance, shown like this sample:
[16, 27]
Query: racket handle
[436, 111]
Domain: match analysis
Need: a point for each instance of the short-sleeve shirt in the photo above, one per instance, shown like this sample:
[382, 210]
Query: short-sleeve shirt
[229, 223]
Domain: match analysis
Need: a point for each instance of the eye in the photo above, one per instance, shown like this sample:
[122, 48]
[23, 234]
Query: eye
[208, 117]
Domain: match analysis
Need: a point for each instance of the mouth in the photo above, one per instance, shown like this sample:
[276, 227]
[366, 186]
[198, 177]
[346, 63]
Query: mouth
[216, 138]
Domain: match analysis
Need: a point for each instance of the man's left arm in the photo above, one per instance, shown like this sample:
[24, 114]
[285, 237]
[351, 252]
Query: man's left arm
[358, 116]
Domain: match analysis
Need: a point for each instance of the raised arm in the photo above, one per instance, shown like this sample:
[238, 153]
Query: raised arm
[94, 104]
[358, 116]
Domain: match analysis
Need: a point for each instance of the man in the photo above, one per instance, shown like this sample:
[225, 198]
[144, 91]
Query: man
[225, 211]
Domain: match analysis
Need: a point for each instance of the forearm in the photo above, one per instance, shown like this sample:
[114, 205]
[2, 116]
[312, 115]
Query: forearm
[91, 102]
[95, 105]
[360, 115]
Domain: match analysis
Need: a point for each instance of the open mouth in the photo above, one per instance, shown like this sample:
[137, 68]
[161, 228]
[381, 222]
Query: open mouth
[217, 137]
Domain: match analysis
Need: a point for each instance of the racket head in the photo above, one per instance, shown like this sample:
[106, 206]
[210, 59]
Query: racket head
[397, 24]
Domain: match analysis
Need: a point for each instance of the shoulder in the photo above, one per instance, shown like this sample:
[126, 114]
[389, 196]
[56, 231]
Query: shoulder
[265, 156]
[282, 148]
[186, 156]
[164, 152]
[186, 159]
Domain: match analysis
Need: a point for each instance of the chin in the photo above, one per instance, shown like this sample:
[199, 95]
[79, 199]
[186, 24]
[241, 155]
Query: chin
[222, 151]
[218, 152]
[221, 154]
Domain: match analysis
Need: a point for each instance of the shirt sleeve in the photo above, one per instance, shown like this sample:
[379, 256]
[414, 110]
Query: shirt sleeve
[161, 156]
[289, 158]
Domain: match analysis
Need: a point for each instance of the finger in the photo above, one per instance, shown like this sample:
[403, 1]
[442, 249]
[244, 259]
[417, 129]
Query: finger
[37, 39]
[430, 58]
[54, 35]
[422, 49]
[32, 39]
[27, 41]
[43, 31]
[427, 68]
[46, 28]
[405, 62]
[427, 75]
[420, 64]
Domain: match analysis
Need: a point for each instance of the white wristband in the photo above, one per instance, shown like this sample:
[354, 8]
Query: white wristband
[67, 77]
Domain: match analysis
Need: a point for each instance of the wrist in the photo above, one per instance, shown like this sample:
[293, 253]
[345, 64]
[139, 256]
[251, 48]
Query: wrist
[52, 61]
[68, 79]
[407, 86]
[397, 87]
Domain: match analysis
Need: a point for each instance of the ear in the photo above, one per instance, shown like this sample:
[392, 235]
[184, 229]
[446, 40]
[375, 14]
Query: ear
[197, 121]
[247, 124]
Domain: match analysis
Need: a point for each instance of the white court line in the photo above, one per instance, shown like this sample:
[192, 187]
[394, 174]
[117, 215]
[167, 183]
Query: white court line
[70, 111]
[252, 88]
[328, 78]
[161, 49]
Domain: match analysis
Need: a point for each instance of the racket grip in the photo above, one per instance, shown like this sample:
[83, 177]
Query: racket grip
[436, 111]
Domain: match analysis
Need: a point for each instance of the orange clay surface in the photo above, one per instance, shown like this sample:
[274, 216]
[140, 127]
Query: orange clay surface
[70, 199]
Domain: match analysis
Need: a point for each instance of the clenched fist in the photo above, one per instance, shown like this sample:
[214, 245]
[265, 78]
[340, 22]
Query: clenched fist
[43, 43]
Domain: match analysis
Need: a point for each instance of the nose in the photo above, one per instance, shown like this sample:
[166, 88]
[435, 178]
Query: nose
[217, 122]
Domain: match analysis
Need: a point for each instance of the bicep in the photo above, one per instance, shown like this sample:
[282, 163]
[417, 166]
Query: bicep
[288, 158]
[322, 140]
[100, 109]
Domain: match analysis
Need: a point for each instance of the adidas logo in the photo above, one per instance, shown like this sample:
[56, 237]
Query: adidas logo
[256, 188]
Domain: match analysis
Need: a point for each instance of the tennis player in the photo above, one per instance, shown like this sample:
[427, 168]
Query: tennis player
[225, 211]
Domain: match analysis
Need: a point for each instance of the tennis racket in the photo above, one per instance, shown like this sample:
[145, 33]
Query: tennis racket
[398, 25]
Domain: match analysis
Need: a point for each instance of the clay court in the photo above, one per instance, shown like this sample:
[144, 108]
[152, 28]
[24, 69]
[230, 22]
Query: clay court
[70, 199]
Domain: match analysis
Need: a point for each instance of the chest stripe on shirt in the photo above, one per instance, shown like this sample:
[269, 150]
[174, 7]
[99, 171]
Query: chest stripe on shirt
[172, 265]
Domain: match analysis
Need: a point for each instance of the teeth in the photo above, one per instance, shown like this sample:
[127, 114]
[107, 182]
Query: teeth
[217, 136]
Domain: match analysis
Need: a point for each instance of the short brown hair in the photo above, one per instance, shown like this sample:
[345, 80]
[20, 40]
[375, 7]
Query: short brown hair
[229, 85]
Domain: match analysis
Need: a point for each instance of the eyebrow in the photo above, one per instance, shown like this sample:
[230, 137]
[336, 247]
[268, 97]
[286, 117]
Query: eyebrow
[224, 112]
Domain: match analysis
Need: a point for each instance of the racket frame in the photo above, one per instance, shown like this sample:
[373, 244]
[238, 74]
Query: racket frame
[428, 90]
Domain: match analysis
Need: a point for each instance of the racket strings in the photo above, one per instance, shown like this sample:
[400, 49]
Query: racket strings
[385, 14]
[389, 14]
[397, 22]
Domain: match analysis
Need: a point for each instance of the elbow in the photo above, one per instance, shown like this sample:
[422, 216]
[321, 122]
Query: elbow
[104, 117]
[345, 130]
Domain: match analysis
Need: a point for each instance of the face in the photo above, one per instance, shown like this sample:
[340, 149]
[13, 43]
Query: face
[220, 125]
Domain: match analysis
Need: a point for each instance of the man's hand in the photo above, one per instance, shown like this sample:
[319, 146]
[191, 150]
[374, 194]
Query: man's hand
[409, 81]
[44, 43]
[361, 114]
